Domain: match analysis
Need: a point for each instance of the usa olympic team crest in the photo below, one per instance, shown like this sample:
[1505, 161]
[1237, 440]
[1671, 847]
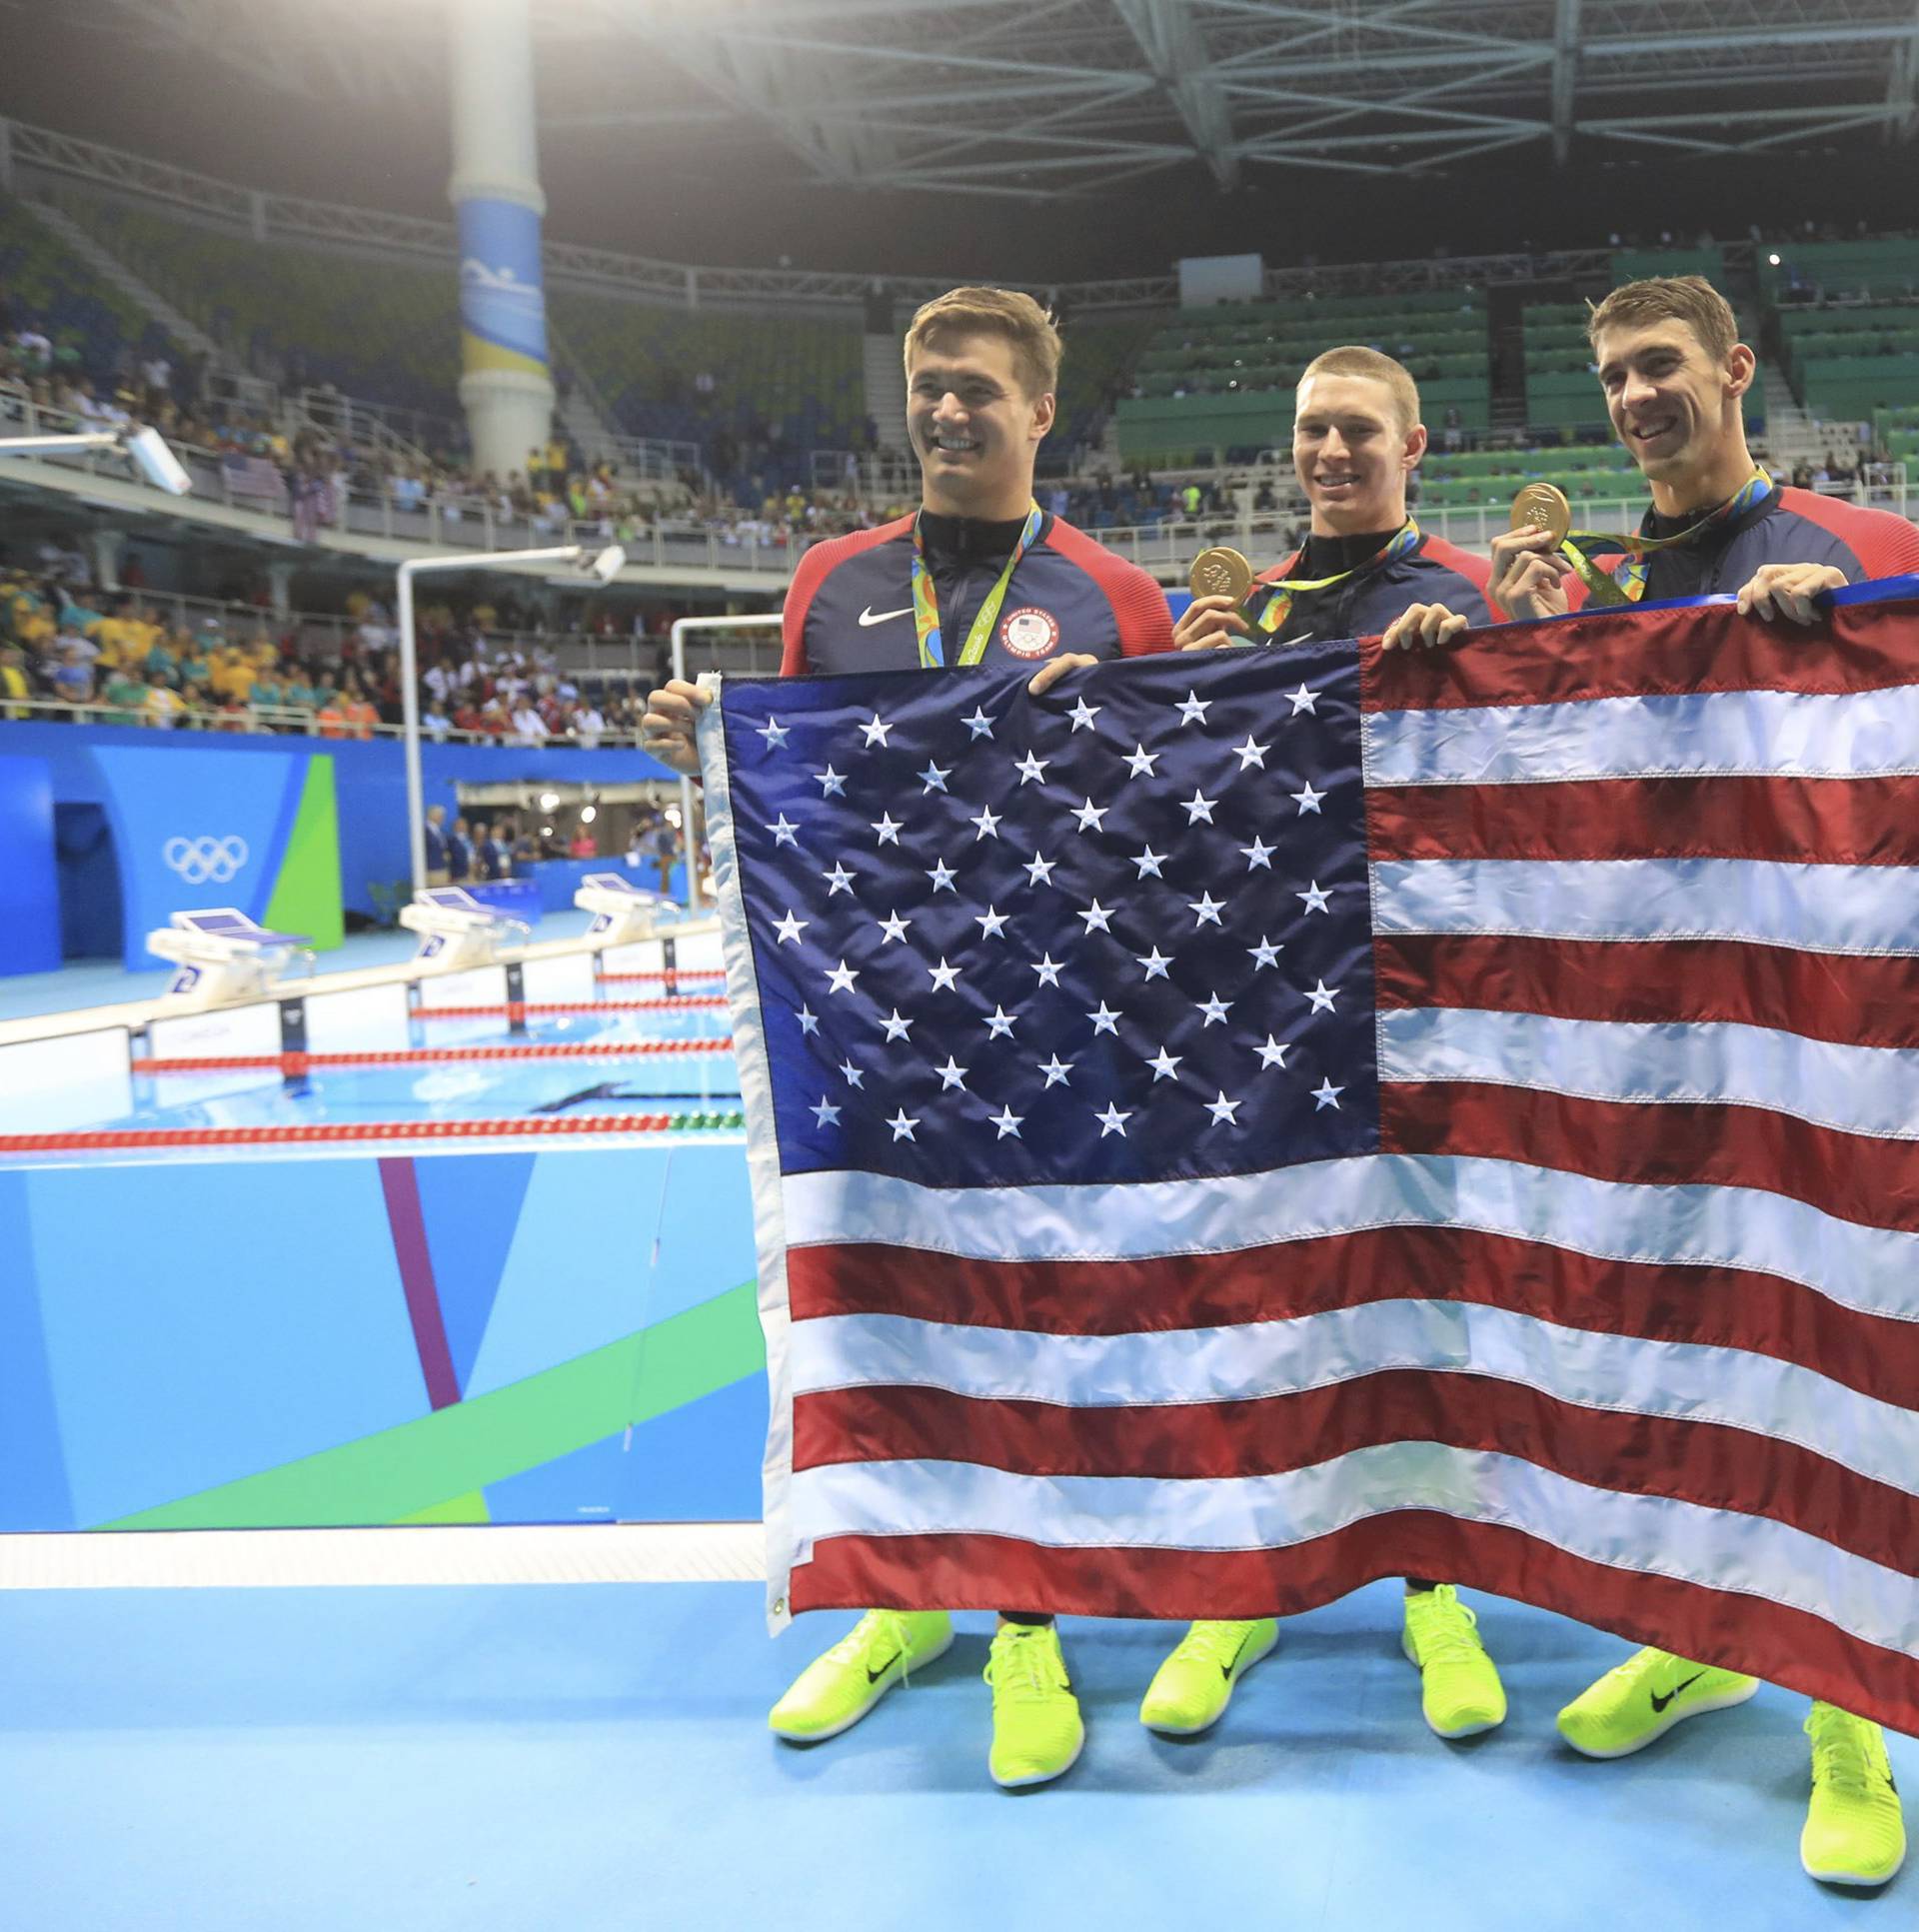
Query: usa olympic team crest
[1030, 632]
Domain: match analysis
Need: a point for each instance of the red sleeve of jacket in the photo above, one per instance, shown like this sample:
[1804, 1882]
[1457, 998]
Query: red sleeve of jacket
[811, 571]
[1885, 543]
[1140, 608]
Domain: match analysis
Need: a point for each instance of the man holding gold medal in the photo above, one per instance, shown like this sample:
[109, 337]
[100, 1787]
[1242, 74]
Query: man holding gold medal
[1356, 440]
[1673, 373]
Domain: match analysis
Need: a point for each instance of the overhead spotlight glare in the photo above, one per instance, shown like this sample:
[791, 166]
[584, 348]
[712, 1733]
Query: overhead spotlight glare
[1774, 260]
[589, 812]
[673, 815]
[548, 800]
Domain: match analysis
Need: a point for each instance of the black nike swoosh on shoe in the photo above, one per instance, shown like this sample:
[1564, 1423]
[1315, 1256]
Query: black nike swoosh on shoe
[1226, 1669]
[874, 1676]
[1659, 1704]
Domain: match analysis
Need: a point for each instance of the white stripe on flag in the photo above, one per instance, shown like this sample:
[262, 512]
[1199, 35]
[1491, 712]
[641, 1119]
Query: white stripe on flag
[1718, 1549]
[1815, 908]
[1684, 1381]
[1858, 1090]
[1766, 734]
[1870, 1268]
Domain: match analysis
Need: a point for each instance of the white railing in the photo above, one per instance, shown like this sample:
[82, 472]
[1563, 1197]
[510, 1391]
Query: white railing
[748, 546]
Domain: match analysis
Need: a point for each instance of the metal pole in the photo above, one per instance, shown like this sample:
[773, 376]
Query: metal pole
[410, 731]
[682, 627]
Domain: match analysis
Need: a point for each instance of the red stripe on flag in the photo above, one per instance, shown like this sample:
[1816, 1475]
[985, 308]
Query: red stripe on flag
[1671, 1143]
[1723, 1307]
[1782, 1645]
[1707, 1463]
[1633, 654]
[1849, 822]
[1854, 1000]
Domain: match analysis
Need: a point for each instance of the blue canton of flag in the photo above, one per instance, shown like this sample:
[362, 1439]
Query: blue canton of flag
[1118, 931]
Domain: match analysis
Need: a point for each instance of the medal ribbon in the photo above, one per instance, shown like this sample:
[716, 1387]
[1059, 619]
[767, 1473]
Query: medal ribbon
[925, 599]
[1278, 606]
[1628, 584]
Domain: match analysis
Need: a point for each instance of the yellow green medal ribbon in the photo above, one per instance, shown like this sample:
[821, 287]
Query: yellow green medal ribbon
[1278, 606]
[925, 600]
[1628, 584]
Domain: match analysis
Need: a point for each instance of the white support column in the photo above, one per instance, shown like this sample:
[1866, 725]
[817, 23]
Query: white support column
[507, 389]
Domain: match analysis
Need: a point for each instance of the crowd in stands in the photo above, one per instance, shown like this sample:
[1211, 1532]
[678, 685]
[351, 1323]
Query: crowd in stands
[68, 650]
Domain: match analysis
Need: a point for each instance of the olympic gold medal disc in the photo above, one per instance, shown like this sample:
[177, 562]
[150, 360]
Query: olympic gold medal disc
[1542, 506]
[1220, 573]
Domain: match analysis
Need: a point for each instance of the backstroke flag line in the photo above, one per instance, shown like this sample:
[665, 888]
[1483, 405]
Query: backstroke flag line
[1249, 1122]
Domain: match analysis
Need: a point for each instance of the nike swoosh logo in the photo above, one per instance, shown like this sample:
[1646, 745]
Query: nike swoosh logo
[869, 616]
[874, 1676]
[1226, 1669]
[1659, 1704]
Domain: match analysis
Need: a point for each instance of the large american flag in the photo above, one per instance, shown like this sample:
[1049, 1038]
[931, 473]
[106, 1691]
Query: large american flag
[1246, 1124]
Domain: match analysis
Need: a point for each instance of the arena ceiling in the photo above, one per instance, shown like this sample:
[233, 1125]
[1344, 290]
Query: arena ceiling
[1034, 98]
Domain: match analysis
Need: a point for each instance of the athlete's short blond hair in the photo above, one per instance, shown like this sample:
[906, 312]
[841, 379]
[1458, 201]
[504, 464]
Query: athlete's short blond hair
[1007, 312]
[1377, 367]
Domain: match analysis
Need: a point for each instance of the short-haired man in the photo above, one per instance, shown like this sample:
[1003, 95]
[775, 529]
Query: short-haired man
[439, 866]
[978, 575]
[1356, 440]
[1673, 372]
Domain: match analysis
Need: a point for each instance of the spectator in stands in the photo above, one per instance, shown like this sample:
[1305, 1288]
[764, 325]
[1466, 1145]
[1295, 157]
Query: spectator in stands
[330, 720]
[584, 845]
[72, 674]
[162, 705]
[13, 681]
[528, 727]
[439, 866]
[360, 715]
[125, 694]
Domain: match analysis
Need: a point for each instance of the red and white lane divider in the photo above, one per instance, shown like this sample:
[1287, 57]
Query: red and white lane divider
[661, 975]
[515, 1010]
[294, 1064]
[544, 1127]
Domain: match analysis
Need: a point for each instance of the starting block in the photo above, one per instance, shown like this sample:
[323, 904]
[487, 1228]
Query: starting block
[456, 930]
[222, 954]
[623, 911]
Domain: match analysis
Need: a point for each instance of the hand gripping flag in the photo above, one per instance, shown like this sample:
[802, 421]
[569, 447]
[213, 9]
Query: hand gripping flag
[1246, 1123]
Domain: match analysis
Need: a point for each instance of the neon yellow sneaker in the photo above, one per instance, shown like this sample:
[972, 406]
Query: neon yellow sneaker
[1855, 1832]
[837, 1690]
[1192, 1687]
[1643, 1699]
[1461, 1694]
[1036, 1733]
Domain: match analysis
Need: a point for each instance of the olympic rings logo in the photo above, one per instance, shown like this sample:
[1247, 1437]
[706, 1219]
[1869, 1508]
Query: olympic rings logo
[203, 862]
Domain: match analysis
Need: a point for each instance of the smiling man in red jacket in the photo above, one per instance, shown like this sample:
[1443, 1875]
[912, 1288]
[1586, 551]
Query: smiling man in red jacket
[978, 576]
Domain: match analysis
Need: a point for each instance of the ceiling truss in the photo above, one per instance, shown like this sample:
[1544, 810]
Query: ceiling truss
[1039, 99]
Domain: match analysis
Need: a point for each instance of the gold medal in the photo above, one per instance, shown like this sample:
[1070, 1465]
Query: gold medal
[1542, 506]
[1220, 573]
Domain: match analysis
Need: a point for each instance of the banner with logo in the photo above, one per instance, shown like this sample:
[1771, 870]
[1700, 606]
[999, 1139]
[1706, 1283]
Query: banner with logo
[195, 830]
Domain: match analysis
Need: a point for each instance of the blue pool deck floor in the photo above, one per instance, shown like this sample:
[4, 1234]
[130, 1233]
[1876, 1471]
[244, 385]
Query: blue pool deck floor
[594, 1757]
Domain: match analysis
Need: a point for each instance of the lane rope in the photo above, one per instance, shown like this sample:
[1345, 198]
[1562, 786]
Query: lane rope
[295, 1064]
[339, 1133]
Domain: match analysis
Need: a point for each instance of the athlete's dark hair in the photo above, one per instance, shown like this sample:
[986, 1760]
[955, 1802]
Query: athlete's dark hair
[1690, 299]
[1036, 347]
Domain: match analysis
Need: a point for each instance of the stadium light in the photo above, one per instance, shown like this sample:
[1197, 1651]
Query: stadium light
[589, 812]
[151, 455]
[1773, 260]
[605, 564]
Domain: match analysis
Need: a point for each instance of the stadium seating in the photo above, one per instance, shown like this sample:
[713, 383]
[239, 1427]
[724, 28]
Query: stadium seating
[802, 378]
[91, 324]
[385, 330]
[1849, 321]
[1221, 379]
